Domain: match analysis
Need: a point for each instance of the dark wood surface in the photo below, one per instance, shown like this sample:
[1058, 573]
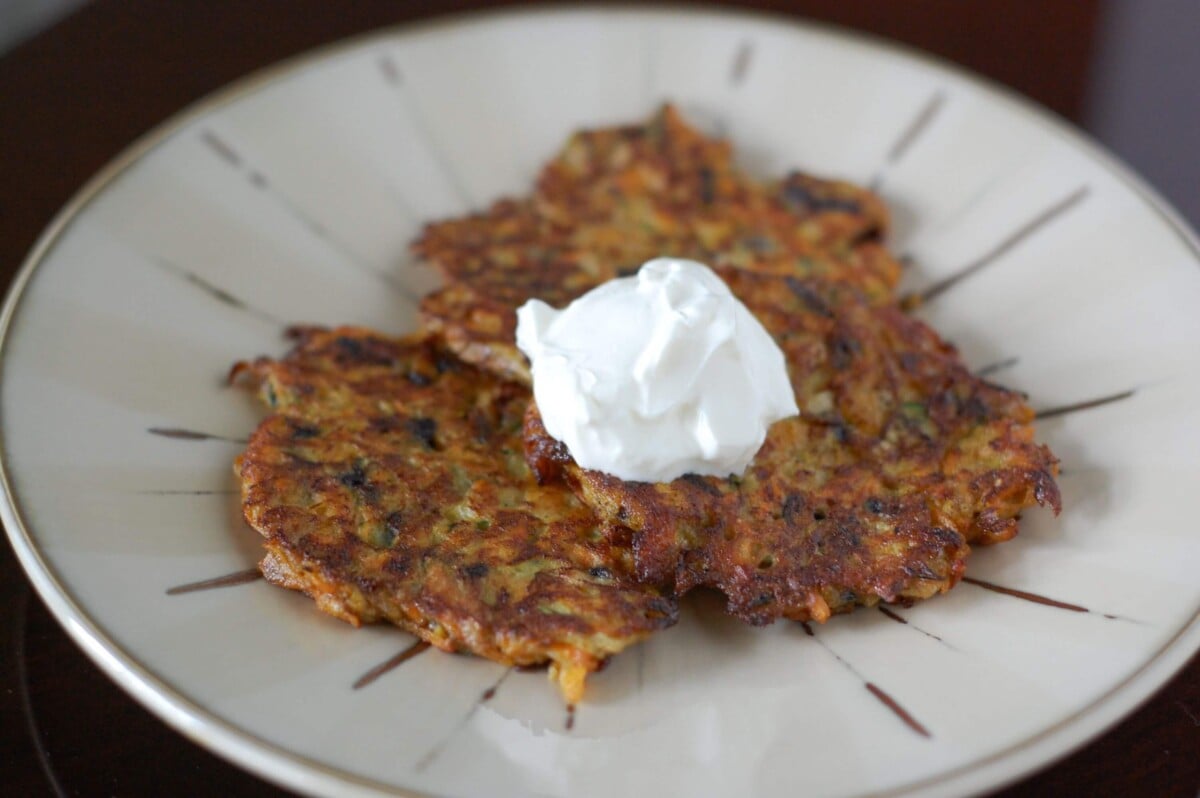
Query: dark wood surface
[74, 96]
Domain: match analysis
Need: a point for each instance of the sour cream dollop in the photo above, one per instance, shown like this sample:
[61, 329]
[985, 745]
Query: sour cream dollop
[657, 375]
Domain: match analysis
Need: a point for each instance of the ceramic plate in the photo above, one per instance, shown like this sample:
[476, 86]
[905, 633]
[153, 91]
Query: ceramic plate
[292, 197]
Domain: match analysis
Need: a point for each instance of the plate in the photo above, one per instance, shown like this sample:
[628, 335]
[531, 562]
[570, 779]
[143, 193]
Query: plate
[292, 196]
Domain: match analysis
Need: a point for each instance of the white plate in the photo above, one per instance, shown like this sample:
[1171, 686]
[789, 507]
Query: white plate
[292, 196]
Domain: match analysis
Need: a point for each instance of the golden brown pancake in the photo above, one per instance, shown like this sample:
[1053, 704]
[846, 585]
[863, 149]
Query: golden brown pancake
[899, 459]
[389, 484]
[616, 197]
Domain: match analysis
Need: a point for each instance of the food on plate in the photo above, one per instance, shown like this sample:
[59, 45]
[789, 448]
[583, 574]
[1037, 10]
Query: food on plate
[657, 375]
[616, 197]
[414, 480]
[389, 484]
[899, 459]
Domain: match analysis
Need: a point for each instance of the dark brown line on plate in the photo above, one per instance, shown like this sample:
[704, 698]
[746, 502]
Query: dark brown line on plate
[741, 63]
[898, 710]
[221, 148]
[243, 577]
[391, 72]
[569, 723]
[919, 124]
[176, 433]
[389, 665]
[1049, 602]
[427, 758]
[1063, 410]
[1024, 594]
[901, 619]
[916, 127]
[490, 693]
[999, 365]
[216, 292]
[221, 295]
[1006, 245]
[882, 696]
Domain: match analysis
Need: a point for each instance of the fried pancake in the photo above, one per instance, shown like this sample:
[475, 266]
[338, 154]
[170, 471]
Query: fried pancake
[617, 197]
[898, 460]
[389, 485]
[665, 179]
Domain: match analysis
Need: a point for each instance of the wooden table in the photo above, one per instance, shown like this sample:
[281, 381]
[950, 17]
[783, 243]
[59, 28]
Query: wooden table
[73, 97]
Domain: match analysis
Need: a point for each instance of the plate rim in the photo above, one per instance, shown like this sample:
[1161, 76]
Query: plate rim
[295, 771]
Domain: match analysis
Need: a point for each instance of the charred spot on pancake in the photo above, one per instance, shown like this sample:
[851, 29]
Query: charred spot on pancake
[424, 430]
[304, 431]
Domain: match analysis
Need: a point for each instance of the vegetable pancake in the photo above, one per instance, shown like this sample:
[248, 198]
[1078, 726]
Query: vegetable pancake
[898, 460]
[389, 485]
[616, 197]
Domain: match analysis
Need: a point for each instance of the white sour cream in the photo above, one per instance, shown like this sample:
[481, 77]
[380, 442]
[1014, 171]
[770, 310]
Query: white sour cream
[657, 375]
